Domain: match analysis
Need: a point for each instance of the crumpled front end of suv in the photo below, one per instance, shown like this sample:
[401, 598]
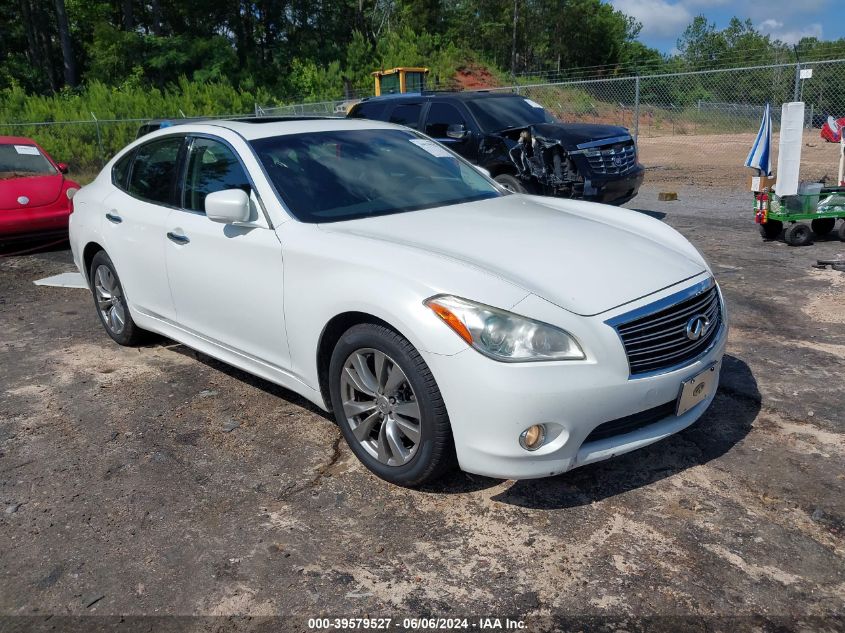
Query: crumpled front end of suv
[568, 161]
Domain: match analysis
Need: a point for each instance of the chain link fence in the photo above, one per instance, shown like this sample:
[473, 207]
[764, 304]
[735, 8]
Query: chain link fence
[693, 128]
[697, 127]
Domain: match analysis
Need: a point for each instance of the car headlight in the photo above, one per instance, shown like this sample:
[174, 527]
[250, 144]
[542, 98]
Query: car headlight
[503, 335]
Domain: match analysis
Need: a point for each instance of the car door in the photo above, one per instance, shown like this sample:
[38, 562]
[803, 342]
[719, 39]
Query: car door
[440, 117]
[226, 279]
[134, 226]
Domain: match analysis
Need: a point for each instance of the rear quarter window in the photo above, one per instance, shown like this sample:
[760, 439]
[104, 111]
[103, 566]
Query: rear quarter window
[369, 110]
[120, 171]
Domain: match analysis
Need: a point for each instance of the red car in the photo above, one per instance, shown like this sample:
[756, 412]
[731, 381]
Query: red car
[35, 195]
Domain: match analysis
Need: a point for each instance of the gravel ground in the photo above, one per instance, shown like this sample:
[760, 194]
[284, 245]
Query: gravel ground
[158, 482]
[710, 160]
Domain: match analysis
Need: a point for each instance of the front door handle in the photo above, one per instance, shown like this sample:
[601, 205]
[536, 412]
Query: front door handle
[114, 218]
[179, 239]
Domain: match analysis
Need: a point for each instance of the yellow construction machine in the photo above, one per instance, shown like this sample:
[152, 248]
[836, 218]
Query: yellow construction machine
[399, 80]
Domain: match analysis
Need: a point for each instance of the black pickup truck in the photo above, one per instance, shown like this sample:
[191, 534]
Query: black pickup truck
[522, 146]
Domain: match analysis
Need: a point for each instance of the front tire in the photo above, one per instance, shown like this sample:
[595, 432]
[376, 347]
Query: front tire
[110, 302]
[511, 183]
[388, 406]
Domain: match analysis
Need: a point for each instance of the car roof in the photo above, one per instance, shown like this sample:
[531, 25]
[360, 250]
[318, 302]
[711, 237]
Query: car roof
[263, 127]
[467, 95]
[19, 140]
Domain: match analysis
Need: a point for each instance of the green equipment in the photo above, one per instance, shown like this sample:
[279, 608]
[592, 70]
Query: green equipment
[809, 214]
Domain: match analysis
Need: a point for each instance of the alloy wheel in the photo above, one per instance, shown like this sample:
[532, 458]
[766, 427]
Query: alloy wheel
[109, 299]
[380, 406]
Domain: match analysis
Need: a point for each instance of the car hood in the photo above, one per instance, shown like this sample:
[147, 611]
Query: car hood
[570, 135]
[584, 264]
[40, 190]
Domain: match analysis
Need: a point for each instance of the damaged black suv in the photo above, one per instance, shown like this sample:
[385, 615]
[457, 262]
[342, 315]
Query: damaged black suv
[522, 146]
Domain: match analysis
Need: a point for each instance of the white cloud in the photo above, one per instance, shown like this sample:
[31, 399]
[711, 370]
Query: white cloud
[784, 10]
[708, 3]
[658, 17]
[775, 29]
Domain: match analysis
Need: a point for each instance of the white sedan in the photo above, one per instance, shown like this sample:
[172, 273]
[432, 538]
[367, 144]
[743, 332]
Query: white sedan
[443, 320]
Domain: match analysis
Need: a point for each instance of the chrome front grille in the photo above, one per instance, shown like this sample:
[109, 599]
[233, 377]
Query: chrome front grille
[614, 159]
[659, 339]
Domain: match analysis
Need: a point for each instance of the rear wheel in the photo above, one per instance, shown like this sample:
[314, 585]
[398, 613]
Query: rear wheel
[111, 302]
[842, 230]
[771, 230]
[388, 406]
[823, 226]
[511, 183]
[798, 234]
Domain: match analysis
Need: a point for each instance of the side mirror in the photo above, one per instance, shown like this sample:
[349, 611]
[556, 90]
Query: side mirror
[227, 206]
[457, 131]
[63, 167]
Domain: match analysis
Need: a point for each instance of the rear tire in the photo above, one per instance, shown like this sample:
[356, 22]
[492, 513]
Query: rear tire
[798, 234]
[387, 404]
[771, 230]
[841, 231]
[511, 183]
[110, 301]
[823, 226]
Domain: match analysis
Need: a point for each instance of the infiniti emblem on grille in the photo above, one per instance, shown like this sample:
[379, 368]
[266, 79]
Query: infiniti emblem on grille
[697, 327]
[618, 160]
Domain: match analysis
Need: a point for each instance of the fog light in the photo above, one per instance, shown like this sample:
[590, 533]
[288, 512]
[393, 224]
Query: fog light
[532, 438]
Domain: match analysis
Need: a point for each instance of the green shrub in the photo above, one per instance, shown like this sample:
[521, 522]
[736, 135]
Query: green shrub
[120, 110]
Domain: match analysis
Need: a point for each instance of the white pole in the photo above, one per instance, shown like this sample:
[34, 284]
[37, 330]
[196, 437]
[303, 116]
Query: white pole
[841, 157]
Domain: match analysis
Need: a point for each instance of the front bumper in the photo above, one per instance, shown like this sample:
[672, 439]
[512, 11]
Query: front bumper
[26, 223]
[491, 403]
[616, 190]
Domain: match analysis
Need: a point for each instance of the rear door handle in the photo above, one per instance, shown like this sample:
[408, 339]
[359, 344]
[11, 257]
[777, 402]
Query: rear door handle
[179, 239]
[114, 218]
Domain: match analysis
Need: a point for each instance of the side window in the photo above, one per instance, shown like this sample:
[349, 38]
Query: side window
[212, 166]
[368, 110]
[120, 171]
[440, 117]
[406, 114]
[154, 168]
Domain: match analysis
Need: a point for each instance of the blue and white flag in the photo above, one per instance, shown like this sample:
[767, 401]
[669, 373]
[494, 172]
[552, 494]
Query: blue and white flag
[760, 156]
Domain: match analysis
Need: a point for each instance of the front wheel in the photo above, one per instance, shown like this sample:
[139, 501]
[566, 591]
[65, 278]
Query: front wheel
[388, 406]
[111, 302]
[511, 183]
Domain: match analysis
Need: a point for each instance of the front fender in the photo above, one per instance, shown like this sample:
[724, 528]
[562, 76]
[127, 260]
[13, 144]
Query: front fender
[327, 274]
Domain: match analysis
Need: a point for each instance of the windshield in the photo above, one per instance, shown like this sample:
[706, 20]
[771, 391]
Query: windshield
[23, 160]
[500, 113]
[348, 174]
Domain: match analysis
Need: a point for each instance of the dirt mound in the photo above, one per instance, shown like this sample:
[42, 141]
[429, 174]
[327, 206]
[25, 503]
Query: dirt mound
[474, 77]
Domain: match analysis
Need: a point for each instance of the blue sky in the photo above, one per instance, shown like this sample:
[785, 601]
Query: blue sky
[787, 20]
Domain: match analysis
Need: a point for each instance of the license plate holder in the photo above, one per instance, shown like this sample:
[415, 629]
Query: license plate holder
[696, 389]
